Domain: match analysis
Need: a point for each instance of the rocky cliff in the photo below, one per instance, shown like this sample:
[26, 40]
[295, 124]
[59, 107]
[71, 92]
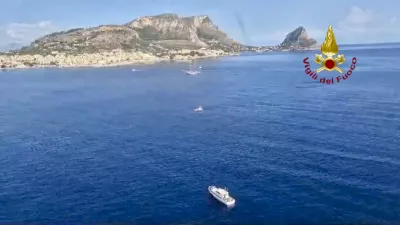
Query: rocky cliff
[156, 35]
[153, 34]
[298, 39]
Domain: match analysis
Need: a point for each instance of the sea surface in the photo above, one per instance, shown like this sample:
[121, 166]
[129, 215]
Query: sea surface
[108, 145]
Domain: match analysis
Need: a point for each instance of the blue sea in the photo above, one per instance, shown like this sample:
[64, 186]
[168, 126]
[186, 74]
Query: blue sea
[108, 145]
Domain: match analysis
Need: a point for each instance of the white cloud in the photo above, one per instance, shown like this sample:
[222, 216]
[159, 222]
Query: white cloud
[28, 32]
[366, 26]
[359, 26]
[20, 34]
[359, 17]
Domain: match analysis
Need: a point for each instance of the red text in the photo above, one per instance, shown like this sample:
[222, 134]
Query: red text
[331, 80]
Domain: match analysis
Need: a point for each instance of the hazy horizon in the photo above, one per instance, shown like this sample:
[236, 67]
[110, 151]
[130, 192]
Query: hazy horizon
[252, 23]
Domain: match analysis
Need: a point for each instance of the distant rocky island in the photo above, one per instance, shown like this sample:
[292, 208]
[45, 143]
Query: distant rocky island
[147, 39]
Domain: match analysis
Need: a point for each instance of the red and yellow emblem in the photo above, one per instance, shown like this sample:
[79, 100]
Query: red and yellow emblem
[329, 48]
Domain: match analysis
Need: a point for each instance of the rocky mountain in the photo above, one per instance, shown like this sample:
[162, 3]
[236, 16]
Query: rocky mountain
[298, 39]
[153, 34]
[157, 35]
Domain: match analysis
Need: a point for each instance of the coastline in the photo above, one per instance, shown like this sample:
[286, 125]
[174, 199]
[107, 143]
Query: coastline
[112, 58]
[102, 60]
[145, 40]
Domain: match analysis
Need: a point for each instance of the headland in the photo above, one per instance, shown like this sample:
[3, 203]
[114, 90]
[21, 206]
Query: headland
[147, 39]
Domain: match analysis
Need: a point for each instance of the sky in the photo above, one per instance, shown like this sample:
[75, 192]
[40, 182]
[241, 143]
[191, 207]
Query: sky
[255, 22]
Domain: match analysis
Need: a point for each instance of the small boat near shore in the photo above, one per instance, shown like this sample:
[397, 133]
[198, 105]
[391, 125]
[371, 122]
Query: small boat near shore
[222, 195]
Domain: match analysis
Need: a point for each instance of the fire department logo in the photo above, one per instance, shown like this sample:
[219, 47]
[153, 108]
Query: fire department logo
[329, 63]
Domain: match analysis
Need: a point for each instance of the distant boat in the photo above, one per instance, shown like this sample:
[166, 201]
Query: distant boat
[221, 195]
[199, 109]
[135, 70]
[191, 72]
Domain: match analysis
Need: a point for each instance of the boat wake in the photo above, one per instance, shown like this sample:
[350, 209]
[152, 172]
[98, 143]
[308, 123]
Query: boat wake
[191, 72]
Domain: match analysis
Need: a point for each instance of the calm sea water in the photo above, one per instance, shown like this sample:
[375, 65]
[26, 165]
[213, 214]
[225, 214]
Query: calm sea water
[107, 145]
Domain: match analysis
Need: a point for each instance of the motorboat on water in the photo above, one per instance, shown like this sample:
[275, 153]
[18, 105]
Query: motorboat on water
[222, 195]
[135, 70]
[191, 72]
[199, 109]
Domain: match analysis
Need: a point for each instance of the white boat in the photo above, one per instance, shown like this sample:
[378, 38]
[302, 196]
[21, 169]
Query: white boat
[191, 72]
[199, 109]
[221, 195]
[135, 70]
